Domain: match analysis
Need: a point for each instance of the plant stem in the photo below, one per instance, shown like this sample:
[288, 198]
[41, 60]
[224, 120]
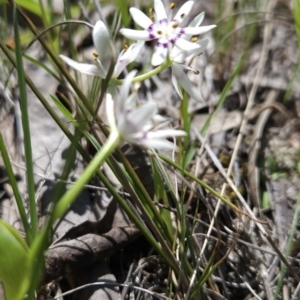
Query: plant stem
[63, 204]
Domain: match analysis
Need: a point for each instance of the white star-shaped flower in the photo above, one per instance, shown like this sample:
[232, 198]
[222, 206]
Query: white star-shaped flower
[103, 56]
[180, 57]
[136, 124]
[168, 33]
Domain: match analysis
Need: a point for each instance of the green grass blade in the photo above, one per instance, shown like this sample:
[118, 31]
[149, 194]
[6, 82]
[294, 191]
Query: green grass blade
[15, 188]
[64, 111]
[32, 6]
[289, 247]
[296, 11]
[161, 196]
[124, 10]
[26, 129]
[15, 268]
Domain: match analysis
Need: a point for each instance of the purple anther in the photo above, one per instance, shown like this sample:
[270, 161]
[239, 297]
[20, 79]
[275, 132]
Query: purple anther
[163, 21]
[173, 41]
[150, 28]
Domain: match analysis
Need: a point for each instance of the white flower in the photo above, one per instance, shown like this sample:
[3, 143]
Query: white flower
[103, 56]
[179, 76]
[179, 57]
[167, 32]
[135, 124]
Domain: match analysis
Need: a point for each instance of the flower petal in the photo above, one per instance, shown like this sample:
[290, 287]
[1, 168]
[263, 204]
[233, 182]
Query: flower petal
[140, 18]
[160, 12]
[84, 68]
[159, 55]
[158, 144]
[196, 22]
[124, 91]
[186, 83]
[194, 52]
[175, 81]
[165, 133]
[141, 35]
[101, 40]
[198, 30]
[183, 11]
[126, 57]
[177, 55]
[140, 116]
[110, 113]
[186, 45]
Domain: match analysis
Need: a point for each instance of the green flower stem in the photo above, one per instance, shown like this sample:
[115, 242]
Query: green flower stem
[14, 185]
[151, 73]
[63, 204]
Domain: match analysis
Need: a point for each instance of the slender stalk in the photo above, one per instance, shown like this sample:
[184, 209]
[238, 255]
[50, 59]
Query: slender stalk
[289, 247]
[148, 75]
[15, 188]
[63, 204]
[26, 130]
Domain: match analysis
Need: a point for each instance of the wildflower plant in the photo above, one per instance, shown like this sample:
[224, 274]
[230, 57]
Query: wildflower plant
[128, 120]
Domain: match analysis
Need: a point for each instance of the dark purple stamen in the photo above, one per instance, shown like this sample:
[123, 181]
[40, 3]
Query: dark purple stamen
[150, 28]
[173, 41]
[164, 45]
[163, 21]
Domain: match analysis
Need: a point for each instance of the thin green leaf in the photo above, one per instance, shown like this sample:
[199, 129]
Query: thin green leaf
[296, 12]
[289, 247]
[161, 196]
[26, 129]
[65, 111]
[31, 6]
[15, 269]
[123, 8]
[15, 188]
